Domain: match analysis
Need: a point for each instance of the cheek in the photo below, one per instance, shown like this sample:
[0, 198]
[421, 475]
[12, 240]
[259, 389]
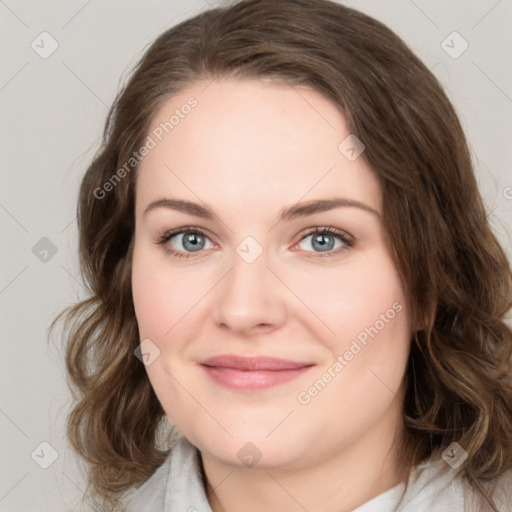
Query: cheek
[149, 299]
[159, 306]
[346, 299]
[161, 297]
[364, 307]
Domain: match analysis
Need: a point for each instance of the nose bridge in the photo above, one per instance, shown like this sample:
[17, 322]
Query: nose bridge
[250, 295]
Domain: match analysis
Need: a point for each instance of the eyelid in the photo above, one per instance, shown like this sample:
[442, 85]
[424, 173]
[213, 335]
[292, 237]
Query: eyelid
[327, 230]
[185, 229]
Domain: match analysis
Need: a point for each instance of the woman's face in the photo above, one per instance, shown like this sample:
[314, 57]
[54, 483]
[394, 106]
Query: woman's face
[252, 165]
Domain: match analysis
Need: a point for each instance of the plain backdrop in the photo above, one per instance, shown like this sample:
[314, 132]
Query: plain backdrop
[53, 108]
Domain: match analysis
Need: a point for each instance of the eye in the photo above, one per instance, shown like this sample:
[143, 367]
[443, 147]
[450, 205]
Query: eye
[184, 242]
[326, 241]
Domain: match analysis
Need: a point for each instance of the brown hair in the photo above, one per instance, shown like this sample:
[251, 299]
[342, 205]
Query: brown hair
[456, 275]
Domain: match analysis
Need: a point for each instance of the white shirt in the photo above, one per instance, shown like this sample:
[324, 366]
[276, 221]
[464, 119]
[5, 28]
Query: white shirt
[177, 486]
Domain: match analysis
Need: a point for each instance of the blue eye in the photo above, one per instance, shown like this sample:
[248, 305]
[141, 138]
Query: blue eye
[328, 240]
[325, 241]
[191, 239]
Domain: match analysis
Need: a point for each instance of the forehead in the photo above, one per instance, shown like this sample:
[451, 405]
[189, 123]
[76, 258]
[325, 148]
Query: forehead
[235, 141]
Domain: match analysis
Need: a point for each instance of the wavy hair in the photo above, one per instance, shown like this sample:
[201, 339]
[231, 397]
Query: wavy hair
[458, 282]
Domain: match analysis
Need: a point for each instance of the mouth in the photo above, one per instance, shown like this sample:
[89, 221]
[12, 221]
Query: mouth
[252, 373]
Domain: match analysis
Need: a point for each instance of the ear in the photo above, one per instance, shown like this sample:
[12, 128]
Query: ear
[420, 321]
[419, 326]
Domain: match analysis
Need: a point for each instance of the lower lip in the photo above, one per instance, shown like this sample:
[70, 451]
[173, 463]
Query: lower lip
[252, 380]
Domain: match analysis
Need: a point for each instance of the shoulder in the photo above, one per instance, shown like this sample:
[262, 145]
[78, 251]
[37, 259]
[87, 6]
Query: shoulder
[150, 496]
[504, 491]
[500, 491]
[434, 486]
[175, 485]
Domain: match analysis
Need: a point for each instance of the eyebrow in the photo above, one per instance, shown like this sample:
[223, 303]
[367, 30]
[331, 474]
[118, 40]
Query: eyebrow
[295, 211]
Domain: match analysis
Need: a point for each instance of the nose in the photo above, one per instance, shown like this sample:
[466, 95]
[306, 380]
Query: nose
[250, 299]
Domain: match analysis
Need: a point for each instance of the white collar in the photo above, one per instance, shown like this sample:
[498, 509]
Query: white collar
[433, 486]
[177, 486]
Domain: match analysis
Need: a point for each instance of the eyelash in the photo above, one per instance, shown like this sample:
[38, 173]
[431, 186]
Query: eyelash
[346, 239]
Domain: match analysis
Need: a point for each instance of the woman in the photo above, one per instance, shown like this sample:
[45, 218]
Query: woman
[297, 301]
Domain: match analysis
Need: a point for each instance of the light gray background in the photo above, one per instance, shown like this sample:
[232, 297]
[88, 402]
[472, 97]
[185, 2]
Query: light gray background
[53, 112]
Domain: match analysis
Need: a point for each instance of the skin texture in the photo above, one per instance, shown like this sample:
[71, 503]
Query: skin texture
[247, 150]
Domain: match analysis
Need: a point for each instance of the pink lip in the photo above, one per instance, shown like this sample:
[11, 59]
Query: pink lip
[252, 373]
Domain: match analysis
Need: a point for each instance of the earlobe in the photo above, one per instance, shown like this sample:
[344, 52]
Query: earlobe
[419, 322]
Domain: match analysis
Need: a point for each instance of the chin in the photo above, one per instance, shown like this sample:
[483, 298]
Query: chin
[253, 448]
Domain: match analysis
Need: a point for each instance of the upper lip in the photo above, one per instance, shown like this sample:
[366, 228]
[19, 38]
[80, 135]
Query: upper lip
[253, 363]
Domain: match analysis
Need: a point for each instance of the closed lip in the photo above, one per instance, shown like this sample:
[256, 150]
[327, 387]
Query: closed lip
[245, 363]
